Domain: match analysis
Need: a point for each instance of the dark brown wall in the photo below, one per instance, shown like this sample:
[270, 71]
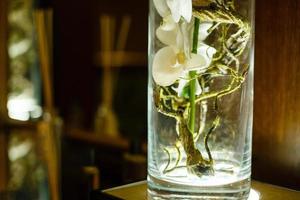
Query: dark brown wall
[276, 145]
[73, 79]
[77, 39]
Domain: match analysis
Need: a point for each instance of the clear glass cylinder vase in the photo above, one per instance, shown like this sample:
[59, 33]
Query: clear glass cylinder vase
[200, 99]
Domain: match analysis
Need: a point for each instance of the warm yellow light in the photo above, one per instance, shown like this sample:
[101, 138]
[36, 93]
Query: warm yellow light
[254, 195]
[23, 108]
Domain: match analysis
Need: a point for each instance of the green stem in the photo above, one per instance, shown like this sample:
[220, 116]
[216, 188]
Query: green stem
[192, 101]
[193, 76]
[195, 35]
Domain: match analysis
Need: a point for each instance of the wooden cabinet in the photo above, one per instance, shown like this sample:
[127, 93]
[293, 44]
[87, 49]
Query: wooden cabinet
[276, 144]
[3, 82]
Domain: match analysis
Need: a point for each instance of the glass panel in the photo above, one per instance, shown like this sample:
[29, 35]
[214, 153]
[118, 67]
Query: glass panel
[24, 98]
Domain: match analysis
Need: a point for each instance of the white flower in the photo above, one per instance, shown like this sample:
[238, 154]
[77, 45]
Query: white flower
[167, 33]
[171, 62]
[177, 8]
[184, 82]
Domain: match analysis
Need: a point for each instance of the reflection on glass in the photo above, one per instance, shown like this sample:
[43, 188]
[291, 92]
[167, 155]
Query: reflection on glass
[24, 79]
[254, 195]
[28, 175]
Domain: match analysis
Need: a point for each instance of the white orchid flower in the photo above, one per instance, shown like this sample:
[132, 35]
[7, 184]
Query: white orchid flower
[167, 33]
[184, 82]
[176, 8]
[171, 63]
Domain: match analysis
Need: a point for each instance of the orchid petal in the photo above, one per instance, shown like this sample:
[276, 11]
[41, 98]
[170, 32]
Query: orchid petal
[196, 62]
[198, 88]
[161, 7]
[186, 9]
[203, 30]
[180, 39]
[185, 29]
[168, 23]
[165, 70]
[166, 37]
[174, 6]
[207, 52]
[184, 83]
[181, 86]
[167, 33]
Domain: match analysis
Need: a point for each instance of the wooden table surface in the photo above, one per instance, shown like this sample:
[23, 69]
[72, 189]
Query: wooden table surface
[138, 191]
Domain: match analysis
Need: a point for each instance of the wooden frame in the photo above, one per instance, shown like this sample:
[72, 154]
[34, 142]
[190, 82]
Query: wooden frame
[3, 58]
[3, 93]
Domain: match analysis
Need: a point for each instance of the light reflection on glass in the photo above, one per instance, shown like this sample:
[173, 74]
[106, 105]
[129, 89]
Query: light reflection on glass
[254, 195]
[23, 108]
[24, 74]
[27, 171]
[20, 150]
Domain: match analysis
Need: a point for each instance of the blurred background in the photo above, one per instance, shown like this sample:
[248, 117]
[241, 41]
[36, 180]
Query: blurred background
[73, 96]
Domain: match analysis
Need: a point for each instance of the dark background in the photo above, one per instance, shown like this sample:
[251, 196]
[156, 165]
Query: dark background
[77, 80]
[77, 42]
